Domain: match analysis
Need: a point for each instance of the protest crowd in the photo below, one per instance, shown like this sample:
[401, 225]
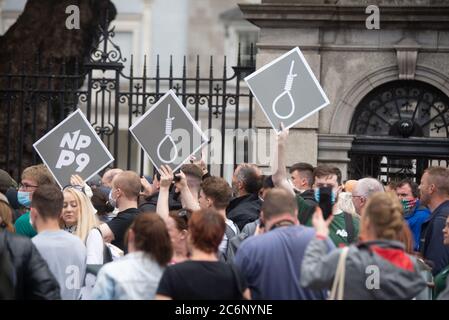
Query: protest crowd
[299, 234]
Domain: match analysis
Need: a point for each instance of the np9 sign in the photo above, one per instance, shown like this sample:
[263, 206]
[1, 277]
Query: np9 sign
[74, 142]
[73, 147]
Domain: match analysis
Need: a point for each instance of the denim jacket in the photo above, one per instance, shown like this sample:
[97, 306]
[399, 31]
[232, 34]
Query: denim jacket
[134, 277]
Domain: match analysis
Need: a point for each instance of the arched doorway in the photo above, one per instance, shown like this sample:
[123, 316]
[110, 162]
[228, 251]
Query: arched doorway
[400, 128]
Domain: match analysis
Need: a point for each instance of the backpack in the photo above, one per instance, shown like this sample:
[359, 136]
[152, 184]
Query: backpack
[235, 242]
[230, 253]
[107, 254]
[349, 224]
[7, 271]
[307, 211]
[107, 257]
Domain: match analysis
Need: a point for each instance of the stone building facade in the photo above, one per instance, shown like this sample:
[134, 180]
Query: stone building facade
[388, 87]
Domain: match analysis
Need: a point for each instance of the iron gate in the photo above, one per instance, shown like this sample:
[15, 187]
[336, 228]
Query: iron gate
[32, 103]
[401, 128]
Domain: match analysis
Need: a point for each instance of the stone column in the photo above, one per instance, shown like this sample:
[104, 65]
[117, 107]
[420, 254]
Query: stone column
[146, 30]
[1, 17]
[146, 49]
[273, 42]
[333, 150]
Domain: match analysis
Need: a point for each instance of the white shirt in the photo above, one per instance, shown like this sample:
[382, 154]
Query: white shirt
[224, 243]
[94, 246]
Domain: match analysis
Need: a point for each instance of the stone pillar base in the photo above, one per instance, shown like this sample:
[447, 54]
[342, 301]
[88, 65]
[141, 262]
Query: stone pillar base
[333, 150]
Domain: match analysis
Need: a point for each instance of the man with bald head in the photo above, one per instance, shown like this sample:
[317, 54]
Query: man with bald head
[349, 185]
[270, 262]
[124, 194]
[109, 175]
[434, 191]
[362, 190]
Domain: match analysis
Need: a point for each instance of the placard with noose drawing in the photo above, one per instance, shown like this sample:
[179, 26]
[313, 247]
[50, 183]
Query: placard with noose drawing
[287, 90]
[167, 133]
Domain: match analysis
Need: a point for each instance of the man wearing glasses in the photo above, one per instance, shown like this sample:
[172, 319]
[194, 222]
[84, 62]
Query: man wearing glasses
[363, 189]
[32, 177]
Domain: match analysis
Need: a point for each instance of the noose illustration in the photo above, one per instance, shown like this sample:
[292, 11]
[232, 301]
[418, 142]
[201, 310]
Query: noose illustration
[168, 132]
[287, 89]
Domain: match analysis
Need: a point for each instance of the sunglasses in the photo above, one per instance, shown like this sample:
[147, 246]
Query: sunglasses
[183, 213]
[76, 187]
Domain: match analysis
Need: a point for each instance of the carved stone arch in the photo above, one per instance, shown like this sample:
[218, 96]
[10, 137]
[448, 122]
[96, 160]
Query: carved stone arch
[361, 87]
[400, 127]
[355, 153]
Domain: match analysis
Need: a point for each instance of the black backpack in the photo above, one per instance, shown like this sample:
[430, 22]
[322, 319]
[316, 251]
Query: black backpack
[107, 254]
[349, 227]
[107, 257]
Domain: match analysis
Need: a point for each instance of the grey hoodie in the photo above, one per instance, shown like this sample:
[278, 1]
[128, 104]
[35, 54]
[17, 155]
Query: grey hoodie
[362, 263]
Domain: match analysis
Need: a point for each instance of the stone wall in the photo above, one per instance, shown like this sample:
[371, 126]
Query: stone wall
[350, 60]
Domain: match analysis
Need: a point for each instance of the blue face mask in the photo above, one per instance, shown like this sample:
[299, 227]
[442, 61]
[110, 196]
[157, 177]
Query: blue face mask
[317, 196]
[24, 198]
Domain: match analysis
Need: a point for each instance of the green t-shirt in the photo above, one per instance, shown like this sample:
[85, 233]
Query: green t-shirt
[23, 226]
[440, 282]
[337, 229]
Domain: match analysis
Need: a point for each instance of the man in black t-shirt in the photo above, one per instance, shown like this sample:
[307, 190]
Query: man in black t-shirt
[124, 194]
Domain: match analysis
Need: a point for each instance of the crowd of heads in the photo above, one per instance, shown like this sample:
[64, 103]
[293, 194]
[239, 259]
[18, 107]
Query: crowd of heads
[176, 236]
[214, 193]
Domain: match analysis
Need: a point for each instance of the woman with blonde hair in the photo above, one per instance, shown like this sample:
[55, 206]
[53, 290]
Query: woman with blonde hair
[377, 267]
[79, 218]
[6, 216]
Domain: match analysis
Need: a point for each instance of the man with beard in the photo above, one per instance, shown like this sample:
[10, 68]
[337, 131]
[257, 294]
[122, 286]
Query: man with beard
[245, 207]
[434, 191]
[414, 213]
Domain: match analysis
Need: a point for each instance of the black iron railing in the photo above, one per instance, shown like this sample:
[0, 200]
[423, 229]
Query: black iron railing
[31, 103]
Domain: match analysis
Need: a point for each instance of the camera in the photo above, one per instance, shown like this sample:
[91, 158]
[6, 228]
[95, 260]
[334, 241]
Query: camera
[176, 178]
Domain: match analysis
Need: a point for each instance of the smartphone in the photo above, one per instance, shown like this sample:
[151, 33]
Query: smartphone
[326, 201]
